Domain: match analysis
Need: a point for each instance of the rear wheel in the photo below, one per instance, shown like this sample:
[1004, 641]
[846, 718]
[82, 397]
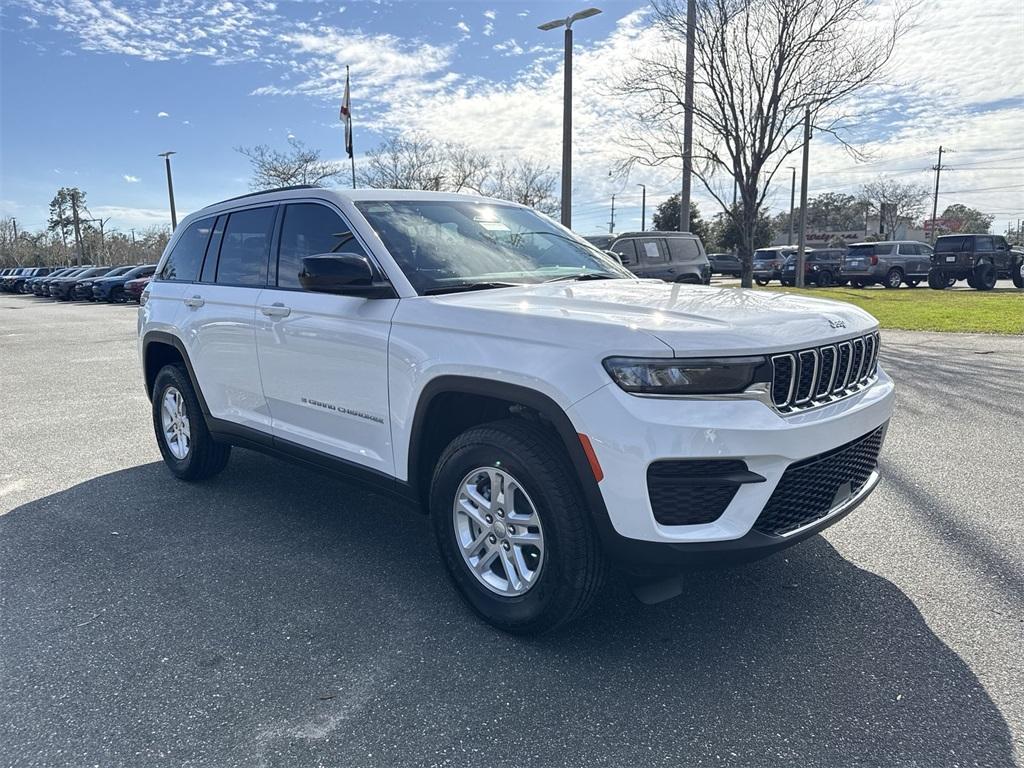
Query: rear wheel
[762, 281]
[856, 284]
[893, 278]
[984, 277]
[512, 527]
[824, 279]
[937, 280]
[913, 283]
[189, 450]
[1017, 275]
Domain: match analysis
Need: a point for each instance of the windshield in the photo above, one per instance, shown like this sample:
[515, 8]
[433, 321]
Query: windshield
[766, 255]
[443, 244]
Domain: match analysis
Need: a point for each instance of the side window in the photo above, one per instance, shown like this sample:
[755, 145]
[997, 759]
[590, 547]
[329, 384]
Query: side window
[683, 249]
[183, 263]
[627, 250]
[983, 244]
[309, 229]
[652, 251]
[909, 249]
[210, 262]
[245, 247]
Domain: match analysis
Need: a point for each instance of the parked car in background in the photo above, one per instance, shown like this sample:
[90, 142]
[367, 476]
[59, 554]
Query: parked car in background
[9, 276]
[677, 257]
[768, 263]
[133, 288]
[29, 285]
[891, 263]
[978, 259]
[46, 283]
[63, 288]
[18, 283]
[821, 267]
[725, 264]
[111, 287]
[82, 289]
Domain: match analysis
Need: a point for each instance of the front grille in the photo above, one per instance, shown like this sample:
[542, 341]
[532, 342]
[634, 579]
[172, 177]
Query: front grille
[691, 492]
[808, 488]
[813, 377]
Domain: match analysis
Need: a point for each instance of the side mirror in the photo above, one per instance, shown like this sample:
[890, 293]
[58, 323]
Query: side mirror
[348, 274]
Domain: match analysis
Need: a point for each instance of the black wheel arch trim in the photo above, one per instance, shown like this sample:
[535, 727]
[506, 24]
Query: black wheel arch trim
[169, 339]
[533, 399]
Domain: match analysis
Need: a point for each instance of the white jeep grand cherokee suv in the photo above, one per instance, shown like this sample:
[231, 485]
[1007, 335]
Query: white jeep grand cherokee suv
[553, 414]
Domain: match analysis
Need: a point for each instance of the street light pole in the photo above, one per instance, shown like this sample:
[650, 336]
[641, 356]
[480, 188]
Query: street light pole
[643, 208]
[170, 188]
[684, 198]
[567, 108]
[802, 239]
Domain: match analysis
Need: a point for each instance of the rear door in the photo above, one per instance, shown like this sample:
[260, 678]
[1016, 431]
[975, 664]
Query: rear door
[324, 358]
[217, 319]
[653, 258]
[686, 258]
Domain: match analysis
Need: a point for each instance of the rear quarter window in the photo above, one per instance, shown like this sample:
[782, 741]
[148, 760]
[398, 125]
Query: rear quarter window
[683, 249]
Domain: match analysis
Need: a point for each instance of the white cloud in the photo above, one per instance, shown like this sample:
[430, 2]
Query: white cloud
[490, 15]
[30, 22]
[130, 179]
[488, 29]
[162, 114]
[462, 26]
[508, 47]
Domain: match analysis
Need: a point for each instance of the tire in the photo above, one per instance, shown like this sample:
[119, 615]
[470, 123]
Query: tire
[200, 457]
[824, 279]
[913, 283]
[950, 282]
[984, 277]
[761, 281]
[856, 284]
[937, 280]
[1017, 275]
[893, 278]
[570, 568]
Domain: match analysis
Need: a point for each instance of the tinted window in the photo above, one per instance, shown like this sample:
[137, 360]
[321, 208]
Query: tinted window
[246, 247]
[627, 250]
[650, 252]
[683, 249]
[210, 262]
[910, 249]
[310, 229]
[984, 244]
[952, 244]
[184, 261]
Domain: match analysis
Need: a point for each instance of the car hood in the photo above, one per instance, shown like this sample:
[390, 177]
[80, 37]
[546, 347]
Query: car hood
[690, 319]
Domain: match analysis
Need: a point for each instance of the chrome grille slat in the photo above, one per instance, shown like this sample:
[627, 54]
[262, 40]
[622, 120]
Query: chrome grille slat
[808, 378]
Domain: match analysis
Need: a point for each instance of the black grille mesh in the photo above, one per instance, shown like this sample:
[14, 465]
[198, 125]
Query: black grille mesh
[678, 495]
[807, 488]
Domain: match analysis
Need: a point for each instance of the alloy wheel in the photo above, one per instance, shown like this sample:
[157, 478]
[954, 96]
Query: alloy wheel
[498, 531]
[174, 418]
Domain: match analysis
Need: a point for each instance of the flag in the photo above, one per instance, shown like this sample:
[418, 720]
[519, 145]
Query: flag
[345, 115]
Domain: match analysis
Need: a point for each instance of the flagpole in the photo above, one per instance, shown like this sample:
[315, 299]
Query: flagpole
[352, 154]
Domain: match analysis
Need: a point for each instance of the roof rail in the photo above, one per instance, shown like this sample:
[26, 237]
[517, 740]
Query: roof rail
[268, 191]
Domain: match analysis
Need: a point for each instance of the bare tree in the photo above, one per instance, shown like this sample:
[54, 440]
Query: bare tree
[418, 162]
[894, 201]
[298, 164]
[759, 65]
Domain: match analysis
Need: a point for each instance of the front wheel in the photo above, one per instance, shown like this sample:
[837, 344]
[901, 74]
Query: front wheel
[984, 277]
[1017, 275]
[189, 450]
[762, 281]
[824, 279]
[513, 529]
[936, 280]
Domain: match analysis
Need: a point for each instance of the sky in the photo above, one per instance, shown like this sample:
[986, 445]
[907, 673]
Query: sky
[92, 90]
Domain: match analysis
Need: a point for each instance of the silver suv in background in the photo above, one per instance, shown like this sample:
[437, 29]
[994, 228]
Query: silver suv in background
[677, 257]
[889, 262]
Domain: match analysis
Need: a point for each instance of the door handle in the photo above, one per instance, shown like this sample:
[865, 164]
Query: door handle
[277, 309]
[195, 302]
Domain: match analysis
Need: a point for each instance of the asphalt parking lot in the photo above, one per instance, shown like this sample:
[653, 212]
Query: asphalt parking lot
[277, 617]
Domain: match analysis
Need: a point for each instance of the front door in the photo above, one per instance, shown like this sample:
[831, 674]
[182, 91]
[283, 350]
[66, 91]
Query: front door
[323, 358]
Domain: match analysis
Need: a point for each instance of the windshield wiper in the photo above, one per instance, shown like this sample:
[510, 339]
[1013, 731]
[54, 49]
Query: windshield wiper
[582, 276]
[458, 287]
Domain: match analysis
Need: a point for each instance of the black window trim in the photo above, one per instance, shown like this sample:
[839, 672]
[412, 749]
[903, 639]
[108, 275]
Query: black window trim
[276, 256]
[162, 264]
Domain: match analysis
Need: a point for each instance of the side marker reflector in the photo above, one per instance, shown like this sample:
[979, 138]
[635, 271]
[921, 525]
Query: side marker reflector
[588, 449]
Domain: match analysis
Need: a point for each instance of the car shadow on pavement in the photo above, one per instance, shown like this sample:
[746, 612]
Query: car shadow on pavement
[275, 616]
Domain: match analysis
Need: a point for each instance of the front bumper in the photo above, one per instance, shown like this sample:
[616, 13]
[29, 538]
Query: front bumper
[629, 433]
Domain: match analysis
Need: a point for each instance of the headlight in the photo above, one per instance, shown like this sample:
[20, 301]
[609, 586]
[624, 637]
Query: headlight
[697, 376]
